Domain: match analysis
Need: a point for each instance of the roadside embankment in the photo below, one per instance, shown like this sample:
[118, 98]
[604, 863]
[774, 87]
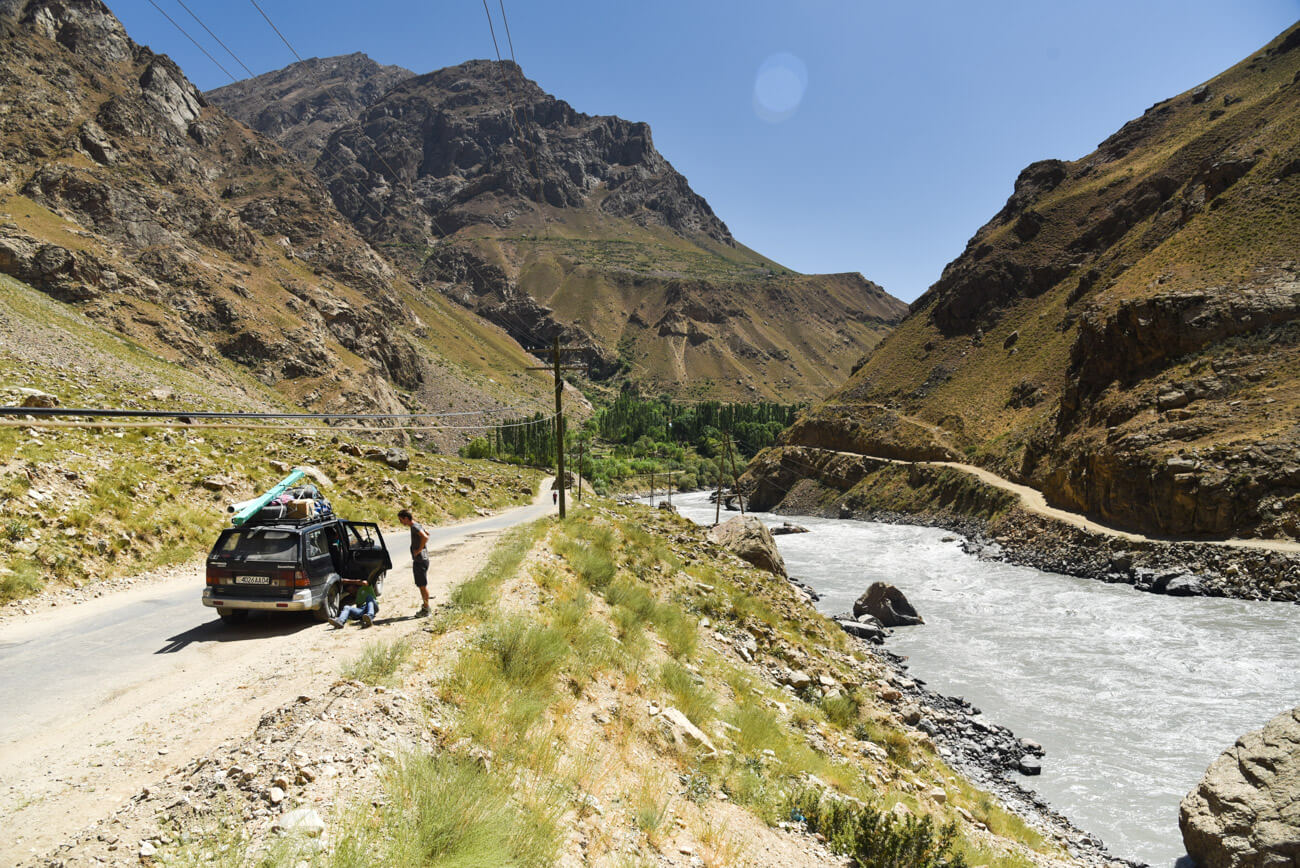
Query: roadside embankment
[612, 689]
[802, 480]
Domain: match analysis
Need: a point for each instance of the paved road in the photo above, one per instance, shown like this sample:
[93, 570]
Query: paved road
[57, 665]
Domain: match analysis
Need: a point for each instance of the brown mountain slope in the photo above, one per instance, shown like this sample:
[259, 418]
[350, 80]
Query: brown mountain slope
[1122, 334]
[547, 220]
[300, 105]
[123, 192]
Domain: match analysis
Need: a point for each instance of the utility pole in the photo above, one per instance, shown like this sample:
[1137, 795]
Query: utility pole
[556, 367]
[559, 419]
[581, 443]
[717, 512]
[652, 488]
[735, 477]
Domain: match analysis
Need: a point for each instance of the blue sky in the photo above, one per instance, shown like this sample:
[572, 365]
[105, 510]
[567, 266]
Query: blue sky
[886, 134]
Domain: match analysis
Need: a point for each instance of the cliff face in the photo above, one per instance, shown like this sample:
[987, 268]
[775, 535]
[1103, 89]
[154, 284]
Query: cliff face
[1122, 334]
[300, 105]
[549, 221]
[125, 193]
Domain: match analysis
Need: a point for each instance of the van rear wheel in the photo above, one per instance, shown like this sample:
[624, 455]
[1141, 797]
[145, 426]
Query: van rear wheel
[332, 604]
[379, 584]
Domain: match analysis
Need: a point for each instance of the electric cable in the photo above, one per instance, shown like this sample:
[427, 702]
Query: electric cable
[181, 3]
[192, 39]
[276, 29]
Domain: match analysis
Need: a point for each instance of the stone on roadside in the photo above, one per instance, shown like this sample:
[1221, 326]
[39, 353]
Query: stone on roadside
[748, 538]
[303, 821]
[886, 603]
[35, 398]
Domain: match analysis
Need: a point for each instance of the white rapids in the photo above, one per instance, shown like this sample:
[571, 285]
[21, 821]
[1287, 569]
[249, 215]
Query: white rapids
[1132, 694]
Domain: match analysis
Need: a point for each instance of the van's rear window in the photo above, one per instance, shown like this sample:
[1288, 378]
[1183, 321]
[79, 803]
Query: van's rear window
[260, 544]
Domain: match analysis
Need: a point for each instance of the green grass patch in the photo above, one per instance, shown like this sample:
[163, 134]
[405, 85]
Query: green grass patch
[447, 810]
[379, 661]
[691, 697]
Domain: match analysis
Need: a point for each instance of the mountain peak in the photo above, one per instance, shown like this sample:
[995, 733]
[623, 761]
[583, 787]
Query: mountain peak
[301, 104]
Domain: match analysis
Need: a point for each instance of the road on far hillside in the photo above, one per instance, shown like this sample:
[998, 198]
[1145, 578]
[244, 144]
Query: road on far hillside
[103, 697]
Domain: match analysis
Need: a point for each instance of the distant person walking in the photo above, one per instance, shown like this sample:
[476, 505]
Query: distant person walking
[419, 558]
[555, 497]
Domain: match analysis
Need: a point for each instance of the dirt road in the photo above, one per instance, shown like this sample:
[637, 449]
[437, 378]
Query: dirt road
[1033, 500]
[103, 697]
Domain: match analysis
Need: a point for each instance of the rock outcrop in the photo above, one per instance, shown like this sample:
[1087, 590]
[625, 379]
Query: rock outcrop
[749, 539]
[888, 605]
[1122, 334]
[1245, 813]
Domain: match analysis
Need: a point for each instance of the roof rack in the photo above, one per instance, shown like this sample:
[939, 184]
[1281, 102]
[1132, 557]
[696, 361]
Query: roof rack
[259, 521]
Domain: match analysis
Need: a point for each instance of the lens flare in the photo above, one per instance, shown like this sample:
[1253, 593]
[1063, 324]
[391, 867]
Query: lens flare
[779, 87]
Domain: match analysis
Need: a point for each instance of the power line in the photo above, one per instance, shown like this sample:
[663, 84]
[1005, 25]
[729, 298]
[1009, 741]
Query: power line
[506, 22]
[492, 30]
[192, 39]
[114, 413]
[254, 426]
[216, 37]
[273, 27]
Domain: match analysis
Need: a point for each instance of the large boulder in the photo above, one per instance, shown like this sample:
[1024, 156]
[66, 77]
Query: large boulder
[1245, 813]
[886, 604]
[750, 539]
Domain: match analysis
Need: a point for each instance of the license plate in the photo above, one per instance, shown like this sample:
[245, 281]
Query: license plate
[253, 580]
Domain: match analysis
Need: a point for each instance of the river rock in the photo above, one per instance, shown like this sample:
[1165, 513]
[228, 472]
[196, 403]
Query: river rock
[1245, 813]
[870, 631]
[787, 527]
[1181, 585]
[1029, 765]
[750, 539]
[886, 603]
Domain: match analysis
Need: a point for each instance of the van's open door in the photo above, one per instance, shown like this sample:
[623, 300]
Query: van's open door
[367, 553]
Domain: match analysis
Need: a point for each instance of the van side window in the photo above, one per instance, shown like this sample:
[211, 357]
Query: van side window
[316, 544]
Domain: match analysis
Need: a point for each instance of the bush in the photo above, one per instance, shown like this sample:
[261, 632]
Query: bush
[479, 447]
[841, 710]
[24, 581]
[874, 838]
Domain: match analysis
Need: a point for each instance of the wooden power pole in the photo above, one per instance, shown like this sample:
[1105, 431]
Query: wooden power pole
[559, 419]
[556, 368]
[717, 512]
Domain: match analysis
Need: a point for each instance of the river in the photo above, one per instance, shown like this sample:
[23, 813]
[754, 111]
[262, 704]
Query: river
[1132, 694]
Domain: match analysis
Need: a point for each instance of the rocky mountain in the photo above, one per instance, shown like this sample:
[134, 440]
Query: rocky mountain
[1121, 335]
[548, 221]
[300, 105]
[125, 193]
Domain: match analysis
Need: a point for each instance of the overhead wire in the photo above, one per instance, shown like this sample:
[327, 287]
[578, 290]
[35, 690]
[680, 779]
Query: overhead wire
[506, 22]
[181, 3]
[192, 39]
[276, 29]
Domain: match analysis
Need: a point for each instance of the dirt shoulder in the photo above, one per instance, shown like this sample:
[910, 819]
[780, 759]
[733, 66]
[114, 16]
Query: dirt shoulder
[181, 697]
